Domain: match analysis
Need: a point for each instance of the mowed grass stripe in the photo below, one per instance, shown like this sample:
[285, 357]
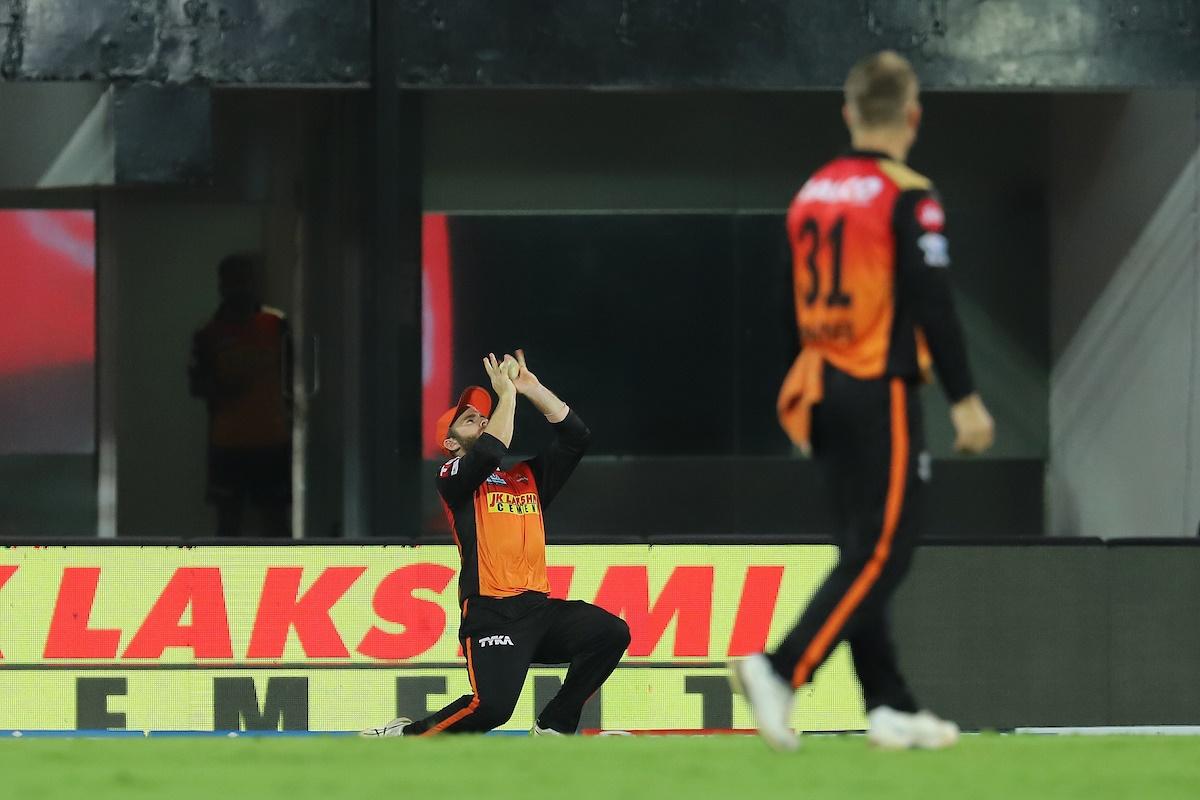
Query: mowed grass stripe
[601, 768]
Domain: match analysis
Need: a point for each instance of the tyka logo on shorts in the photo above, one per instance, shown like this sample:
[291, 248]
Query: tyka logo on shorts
[495, 640]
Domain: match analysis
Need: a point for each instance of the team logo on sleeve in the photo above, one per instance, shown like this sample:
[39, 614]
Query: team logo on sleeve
[936, 249]
[930, 215]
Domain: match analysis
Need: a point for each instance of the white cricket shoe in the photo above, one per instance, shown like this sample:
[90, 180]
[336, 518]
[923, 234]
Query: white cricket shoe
[394, 728]
[932, 732]
[889, 729]
[537, 730]
[770, 698]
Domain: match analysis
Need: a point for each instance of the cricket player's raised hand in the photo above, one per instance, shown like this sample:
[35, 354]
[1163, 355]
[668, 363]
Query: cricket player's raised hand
[500, 374]
[524, 380]
[532, 389]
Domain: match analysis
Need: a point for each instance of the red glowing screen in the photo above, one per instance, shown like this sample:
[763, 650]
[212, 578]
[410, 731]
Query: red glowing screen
[47, 331]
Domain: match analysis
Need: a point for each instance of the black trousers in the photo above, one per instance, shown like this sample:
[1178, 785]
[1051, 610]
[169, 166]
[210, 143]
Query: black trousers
[256, 476]
[869, 437]
[501, 637]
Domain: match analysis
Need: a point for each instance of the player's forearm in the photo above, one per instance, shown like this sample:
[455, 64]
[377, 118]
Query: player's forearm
[548, 403]
[500, 424]
[943, 333]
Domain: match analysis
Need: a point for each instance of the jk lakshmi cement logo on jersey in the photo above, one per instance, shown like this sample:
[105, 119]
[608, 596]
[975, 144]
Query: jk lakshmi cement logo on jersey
[508, 503]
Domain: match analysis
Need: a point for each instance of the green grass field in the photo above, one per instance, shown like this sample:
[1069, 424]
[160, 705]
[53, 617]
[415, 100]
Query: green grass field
[737, 767]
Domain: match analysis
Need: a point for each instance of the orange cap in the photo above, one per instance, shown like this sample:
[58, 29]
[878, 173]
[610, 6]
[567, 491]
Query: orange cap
[475, 396]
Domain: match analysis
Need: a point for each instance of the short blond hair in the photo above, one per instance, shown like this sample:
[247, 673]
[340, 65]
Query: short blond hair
[879, 88]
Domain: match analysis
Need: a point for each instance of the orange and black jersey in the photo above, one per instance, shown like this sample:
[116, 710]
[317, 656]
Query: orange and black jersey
[496, 514]
[869, 274]
[242, 367]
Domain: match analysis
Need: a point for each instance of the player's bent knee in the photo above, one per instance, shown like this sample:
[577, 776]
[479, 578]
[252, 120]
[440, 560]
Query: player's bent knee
[618, 634]
[493, 715]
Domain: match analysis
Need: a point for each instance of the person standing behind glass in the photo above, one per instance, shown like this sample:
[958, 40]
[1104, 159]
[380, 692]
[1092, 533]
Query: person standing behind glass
[239, 364]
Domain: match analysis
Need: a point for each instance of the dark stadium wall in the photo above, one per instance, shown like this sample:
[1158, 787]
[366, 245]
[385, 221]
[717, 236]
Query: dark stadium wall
[776, 44]
[558, 154]
[287, 185]
[164, 244]
[50, 114]
[1075, 634]
[167, 287]
[1155, 646]
[523, 175]
[732, 153]
[1125, 299]
[781, 44]
[999, 637]
[751, 108]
